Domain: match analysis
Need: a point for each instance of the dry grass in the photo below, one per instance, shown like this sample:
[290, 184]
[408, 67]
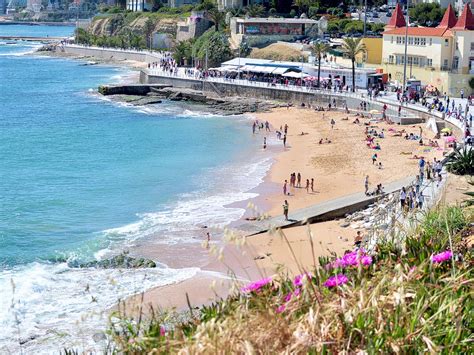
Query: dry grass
[401, 303]
[278, 51]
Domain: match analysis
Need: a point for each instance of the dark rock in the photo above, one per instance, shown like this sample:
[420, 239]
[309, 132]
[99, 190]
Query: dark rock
[121, 261]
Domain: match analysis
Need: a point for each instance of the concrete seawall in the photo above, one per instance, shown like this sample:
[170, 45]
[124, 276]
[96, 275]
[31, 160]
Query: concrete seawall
[223, 89]
[111, 53]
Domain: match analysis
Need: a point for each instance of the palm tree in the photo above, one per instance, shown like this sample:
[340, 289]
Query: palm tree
[352, 47]
[319, 49]
[254, 10]
[216, 16]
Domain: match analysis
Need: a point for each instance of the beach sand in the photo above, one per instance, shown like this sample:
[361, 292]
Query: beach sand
[339, 169]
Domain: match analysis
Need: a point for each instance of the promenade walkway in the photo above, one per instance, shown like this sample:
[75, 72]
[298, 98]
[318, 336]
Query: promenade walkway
[322, 211]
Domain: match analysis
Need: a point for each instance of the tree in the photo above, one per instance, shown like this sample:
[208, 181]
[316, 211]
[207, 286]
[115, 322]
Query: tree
[352, 47]
[427, 14]
[214, 46]
[148, 29]
[254, 10]
[183, 51]
[216, 16]
[319, 49]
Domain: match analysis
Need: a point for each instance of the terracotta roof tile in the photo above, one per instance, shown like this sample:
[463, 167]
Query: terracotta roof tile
[420, 31]
[466, 20]
[397, 19]
[449, 19]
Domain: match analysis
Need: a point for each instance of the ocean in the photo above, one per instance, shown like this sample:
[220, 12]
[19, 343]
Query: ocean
[83, 178]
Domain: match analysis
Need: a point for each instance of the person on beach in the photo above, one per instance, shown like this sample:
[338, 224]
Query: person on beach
[298, 180]
[267, 126]
[286, 128]
[285, 209]
[264, 142]
[312, 185]
[374, 158]
[332, 123]
[358, 239]
[285, 187]
[403, 197]
[284, 140]
[208, 240]
[366, 185]
[254, 126]
[307, 185]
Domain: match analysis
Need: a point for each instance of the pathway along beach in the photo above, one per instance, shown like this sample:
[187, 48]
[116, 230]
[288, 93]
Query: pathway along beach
[338, 169]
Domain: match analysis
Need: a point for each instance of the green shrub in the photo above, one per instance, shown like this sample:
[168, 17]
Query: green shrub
[461, 162]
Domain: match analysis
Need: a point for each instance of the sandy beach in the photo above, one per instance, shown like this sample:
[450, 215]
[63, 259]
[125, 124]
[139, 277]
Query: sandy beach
[339, 169]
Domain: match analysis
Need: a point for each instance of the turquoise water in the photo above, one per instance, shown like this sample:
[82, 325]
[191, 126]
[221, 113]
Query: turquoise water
[80, 175]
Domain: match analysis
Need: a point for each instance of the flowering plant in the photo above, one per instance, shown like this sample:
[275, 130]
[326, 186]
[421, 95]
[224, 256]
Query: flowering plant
[337, 280]
[257, 285]
[441, 257]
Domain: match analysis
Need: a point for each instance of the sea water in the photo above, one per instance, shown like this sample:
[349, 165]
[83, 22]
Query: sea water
[82, 177]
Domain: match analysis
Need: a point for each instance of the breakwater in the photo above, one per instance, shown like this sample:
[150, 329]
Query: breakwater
[110, 53]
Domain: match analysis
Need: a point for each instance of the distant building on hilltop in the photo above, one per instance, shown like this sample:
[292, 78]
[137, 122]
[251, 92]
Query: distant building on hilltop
[442, 56]
[261, 31]
[33, 5]
[193, 27]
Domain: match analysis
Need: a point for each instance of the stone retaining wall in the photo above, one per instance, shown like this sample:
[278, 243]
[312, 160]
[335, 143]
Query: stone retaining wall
[111, 53]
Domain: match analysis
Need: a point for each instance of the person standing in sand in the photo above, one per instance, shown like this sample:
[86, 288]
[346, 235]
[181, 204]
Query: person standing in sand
[307, 185]
[285, 209]
[298, 180]
[312, 185]
[284, 140]
[285, 188]
[208, 240]
[332, 123]
[264, 142]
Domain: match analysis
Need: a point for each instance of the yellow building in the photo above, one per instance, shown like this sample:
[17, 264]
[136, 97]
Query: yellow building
[373, 54]
[441, 56]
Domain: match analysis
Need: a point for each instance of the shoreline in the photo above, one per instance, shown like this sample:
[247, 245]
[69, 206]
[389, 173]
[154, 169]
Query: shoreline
[335, 176]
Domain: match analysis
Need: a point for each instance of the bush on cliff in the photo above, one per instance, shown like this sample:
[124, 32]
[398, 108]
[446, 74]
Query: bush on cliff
[411, 299]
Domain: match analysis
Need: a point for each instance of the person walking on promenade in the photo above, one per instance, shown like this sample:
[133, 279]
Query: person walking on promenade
[285, 209]
[366, 185]
[403, 197]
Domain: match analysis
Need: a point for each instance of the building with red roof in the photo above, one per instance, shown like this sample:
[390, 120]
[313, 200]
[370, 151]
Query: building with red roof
[442, 56]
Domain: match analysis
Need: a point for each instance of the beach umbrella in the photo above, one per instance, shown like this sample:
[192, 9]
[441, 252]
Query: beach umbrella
[450, 139]
[446, 130]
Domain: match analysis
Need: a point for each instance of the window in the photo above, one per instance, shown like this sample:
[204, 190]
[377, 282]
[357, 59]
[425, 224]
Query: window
[455, 62]
[445, 64]
[399, 40]
[417, 41]
[390, 59]
[410, 40]
[391, 39]
[446, 42]
[429, 62]
[457, 45]
[423, 41]
[410, 60]
[416, 61]
[431, 41]
[472, 46]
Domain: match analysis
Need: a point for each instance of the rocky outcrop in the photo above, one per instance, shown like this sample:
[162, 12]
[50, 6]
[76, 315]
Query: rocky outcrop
[122, 261]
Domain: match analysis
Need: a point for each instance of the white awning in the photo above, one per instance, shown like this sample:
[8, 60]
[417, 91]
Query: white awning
[295, 75]
[280, 71]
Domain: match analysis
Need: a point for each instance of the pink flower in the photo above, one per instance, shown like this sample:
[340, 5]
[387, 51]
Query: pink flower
[297, 292]
[298, 281]
[351, 259]
[337, 280]
[281, 308]
[288, 297]
[444, 256]
[162, 331]
[257, 285]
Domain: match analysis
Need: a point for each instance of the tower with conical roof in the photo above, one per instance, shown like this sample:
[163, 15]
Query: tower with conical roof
[397, 20]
